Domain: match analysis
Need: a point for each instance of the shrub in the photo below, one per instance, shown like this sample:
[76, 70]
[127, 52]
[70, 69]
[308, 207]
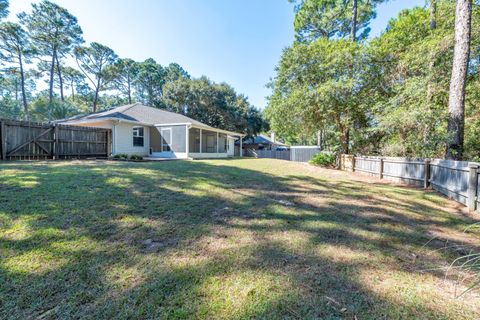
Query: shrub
[136, 157]
[324, 159]
[121, 156]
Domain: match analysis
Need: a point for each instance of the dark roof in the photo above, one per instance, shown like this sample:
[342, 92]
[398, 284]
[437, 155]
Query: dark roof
[261, 139]
[138, 113]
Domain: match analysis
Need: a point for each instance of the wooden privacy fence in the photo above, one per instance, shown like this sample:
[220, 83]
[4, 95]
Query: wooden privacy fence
[298, 154]
[459, 180]
[23, 140]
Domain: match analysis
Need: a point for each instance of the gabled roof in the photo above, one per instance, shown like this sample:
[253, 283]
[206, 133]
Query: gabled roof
[261, 139]
[137, 113]
[143, 115]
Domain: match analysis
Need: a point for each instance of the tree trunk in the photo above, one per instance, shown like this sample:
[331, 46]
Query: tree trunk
[129, 90]
[52, 71]
[59, 70]
[22, 79]
[73, 92]
[95, 100]
[354, 20]
[16, 88]
[433, 14]
[456, 101]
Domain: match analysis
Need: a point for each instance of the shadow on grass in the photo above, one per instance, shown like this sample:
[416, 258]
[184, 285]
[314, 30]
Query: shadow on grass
[209, 239]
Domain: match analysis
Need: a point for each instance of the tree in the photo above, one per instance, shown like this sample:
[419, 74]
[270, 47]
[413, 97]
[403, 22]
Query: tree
[73, 78]
[123, 74]
[456, 101]
[94, 62]
[317, 85]
[214, 104]
[3, 9]
[15, 49]
[333, 18]
[53, 31]
[174, 72]
[149, 83]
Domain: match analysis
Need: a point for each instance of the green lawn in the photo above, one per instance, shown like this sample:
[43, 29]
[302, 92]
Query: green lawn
[223, 239]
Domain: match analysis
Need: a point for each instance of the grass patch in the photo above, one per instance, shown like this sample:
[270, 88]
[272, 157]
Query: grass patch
[223, 239]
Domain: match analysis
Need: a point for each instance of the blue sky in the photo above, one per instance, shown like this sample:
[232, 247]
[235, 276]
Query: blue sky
[235, 41]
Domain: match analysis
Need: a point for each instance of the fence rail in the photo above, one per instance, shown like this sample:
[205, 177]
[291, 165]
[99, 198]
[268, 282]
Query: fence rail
[23, 140]
[459, 180]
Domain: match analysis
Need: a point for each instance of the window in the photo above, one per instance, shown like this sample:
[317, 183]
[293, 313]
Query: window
[138, 135]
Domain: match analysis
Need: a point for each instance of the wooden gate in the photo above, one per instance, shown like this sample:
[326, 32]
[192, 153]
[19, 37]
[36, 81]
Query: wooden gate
[23, 140]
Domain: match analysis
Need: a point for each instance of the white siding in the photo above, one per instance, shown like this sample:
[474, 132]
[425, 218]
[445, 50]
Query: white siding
[231, 147]
[123, 139]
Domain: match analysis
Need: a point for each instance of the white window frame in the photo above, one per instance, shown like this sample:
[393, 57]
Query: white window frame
[169, 144]
[136, 134]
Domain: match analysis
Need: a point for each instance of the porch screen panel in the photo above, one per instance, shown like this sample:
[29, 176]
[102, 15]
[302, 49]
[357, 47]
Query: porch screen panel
[194, 140]
[209, 141]
[179, 139]
[222, 143]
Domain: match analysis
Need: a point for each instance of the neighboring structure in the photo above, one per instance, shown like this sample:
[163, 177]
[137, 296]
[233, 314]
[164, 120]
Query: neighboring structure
[262, 142]
[147, 131]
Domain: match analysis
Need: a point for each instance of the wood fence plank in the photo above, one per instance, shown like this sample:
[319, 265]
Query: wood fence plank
[3, 140]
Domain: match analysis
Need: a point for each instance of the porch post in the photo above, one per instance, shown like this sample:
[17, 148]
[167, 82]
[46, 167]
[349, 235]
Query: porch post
[187, 137]
[217, 141]
[241, 148]
[200, 151]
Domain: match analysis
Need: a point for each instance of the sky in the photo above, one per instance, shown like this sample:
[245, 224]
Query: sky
[234, 41]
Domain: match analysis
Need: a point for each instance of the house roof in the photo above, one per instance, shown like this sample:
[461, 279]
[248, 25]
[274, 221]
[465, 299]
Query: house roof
[261, 139]
[137, 113]
[142, 114]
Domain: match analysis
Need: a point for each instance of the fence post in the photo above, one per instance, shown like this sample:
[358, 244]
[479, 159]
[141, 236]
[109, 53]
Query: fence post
[3, 140]
[426, 178]
[472, 186]
[55, 142]
[381, 168]
[353, 163]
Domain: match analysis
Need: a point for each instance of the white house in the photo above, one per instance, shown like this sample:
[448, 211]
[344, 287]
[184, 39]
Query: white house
[151, 132]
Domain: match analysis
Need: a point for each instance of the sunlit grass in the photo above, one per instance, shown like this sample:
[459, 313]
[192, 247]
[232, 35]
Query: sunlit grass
[223, 239]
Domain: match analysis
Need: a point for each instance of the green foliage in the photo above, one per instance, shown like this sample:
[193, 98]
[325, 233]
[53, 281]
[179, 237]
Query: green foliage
[320, 85]
[214, 104]
[149, 83]
[324, 159]
[388, 95]
[43, 109]
[53, 30]
[3, 9]
[136, 157]
[123, 74]
[94, 61]
[332, 18]
[120, 156]
[410, 70]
